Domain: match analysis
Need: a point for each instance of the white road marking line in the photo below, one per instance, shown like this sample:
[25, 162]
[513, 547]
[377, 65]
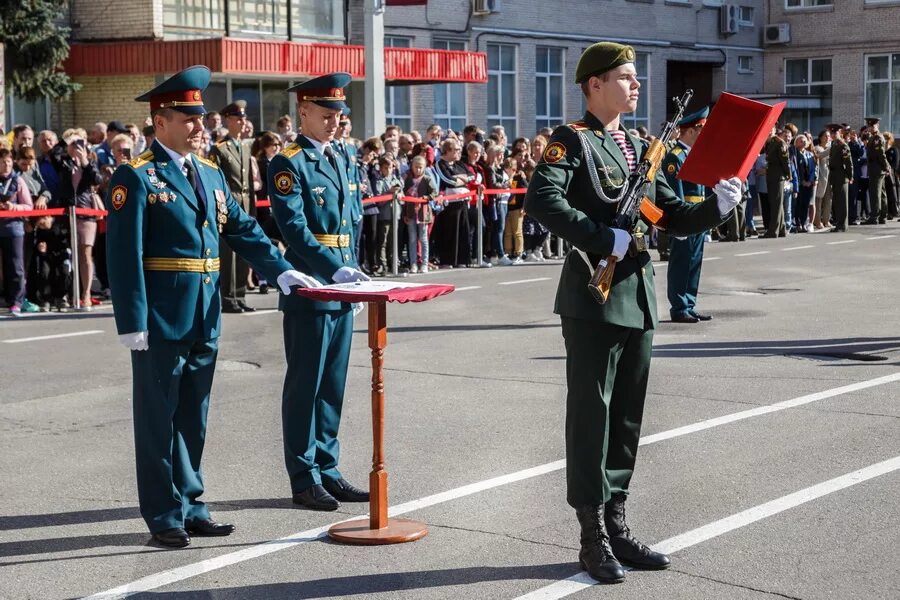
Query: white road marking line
[709, 258]
[753, 253]
[468, 287]
[260, 311]
[581, 581]
[840, 242]
[523, 281]
[881, 237]
[163, 578]
[660, 265]
[52, 337]
[796, 248]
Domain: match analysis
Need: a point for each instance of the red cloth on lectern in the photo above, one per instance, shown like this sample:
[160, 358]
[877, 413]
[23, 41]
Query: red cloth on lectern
[406, 294]
[730, 140]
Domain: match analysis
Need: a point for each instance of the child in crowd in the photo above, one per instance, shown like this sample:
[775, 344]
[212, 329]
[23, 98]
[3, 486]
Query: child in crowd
[384, 181]
[50, 272]
[418, 216]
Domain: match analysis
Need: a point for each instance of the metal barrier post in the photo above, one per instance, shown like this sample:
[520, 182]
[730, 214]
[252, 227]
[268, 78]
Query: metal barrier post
[395, 210]
[559, 247]
[73, 241]
[479, 203]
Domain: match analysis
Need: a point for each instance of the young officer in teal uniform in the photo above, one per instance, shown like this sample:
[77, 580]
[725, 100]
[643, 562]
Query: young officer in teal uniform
[313, 206]
[167, 210]
[685, 253]
[607, 346]
[347, 150]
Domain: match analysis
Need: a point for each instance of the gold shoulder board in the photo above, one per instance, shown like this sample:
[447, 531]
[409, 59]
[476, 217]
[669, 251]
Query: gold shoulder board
[141, 160]
[579, 126]
[677, 150]
[206, 161]
[290, 150]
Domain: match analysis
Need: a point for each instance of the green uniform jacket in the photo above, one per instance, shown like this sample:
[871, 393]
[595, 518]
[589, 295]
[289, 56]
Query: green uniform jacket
[561, 196]
[840, 162]
[877, 157]
[175, 305]
[777, 165]
[234, 157]
[308, 198]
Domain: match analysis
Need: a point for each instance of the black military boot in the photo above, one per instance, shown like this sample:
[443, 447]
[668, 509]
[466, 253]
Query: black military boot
[596, 555]
[627, 549]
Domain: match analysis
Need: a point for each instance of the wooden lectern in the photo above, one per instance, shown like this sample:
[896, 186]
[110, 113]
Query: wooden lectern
[379, 529]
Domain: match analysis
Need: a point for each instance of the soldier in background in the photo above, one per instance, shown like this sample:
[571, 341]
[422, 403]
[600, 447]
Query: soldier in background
[840, 176]
[878, 167]
[778, 170]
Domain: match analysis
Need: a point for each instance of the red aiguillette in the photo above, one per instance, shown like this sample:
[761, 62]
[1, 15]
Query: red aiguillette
[730, 140]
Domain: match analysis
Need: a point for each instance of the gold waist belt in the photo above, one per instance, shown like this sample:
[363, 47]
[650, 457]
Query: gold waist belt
[693, 199]
[189, 265]
[332, 240]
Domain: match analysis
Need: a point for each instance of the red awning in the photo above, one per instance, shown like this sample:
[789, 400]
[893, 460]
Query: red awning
[261, 57]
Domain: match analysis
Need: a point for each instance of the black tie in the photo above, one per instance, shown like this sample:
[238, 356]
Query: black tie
[329, 154]
[191, 174]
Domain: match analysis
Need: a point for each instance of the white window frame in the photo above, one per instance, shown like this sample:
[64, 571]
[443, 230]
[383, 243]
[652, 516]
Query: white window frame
[789, 88]
[746, 23]
[391, 91]
[747, 69]
[809, 5]
[886, 124]
[548, 120]
[501, 119]
[630, 120]
[445, 120]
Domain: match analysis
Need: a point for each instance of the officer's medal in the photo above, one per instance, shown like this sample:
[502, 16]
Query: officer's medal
[318, 192]
[221, 210]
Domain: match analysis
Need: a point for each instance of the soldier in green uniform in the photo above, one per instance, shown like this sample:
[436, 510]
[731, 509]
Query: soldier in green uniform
[840, 176]
[878, 169]
[607, 346]
[168, 208]
[313, 205]
[233, 157]
[778, 170]
[685, 253]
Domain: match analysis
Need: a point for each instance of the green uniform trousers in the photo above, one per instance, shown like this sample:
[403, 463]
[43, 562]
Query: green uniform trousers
[317, 346]
[171, 383]
[840, 190]
[877, 197]
[607, 368]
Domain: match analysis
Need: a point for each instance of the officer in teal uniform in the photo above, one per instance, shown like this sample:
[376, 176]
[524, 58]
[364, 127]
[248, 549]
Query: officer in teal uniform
[347, 150]
[167, 210]
[685, 253]
[313, 205]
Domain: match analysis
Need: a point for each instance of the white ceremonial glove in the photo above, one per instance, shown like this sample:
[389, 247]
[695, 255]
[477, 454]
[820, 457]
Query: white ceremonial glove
[358, 307]
[728, 194]
[290, 278]
[349, 275]
[620, 246]
[134, 341]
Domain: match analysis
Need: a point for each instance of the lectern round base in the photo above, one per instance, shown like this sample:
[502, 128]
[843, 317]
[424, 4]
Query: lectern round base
[397, 531]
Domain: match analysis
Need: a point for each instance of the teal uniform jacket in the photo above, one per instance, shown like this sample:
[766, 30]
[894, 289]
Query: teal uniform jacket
[309, 197]
[348, 152]
[175, 305]
[690, 192]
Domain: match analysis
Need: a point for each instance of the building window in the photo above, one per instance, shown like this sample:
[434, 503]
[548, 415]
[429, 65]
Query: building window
[253, 18]
[317, 18]
[883, 90]
[501, 89]
[258, 18]
[745, 16]
[807, 3]
[641, 116]
[450, 98]
[548, 72]
[397, 106]
[809, 77]
[745, 64]
[193, 18]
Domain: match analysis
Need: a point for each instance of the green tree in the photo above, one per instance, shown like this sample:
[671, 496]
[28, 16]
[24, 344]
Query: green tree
[35, 48]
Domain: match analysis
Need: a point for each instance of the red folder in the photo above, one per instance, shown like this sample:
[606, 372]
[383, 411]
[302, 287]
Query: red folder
[730, 140]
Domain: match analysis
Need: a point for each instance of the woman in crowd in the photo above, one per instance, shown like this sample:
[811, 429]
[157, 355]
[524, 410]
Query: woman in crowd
[806, 175]
[514, 240]
[78, 182]
[538, 145]
[452, 226]
[26, 167]
[265, 148]
[368, 167]
[762, 188]
[499, 203]
[15, 197]
[823, 190]
[891, 181]
[418, 215]
[478, 181]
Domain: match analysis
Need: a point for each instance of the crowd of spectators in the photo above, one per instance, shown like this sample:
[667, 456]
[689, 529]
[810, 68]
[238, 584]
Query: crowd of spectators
[437, 228]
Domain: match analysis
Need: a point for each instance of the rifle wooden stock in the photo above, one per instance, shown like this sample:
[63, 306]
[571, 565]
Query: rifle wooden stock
[654, 155]
[600, 284]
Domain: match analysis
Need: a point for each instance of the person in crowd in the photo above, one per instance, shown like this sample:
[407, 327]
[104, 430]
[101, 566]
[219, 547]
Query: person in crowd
[877, 163]
[123, 151]
[103, 152]
[96, 135]
[502, 180]
[534, 233]
[822, 205]
[893, 175]
[858, 197]
[49, 272]
[840, 174]
[51, 160]
[23, 137]
[385, 182]
[538, 144]
[778, 172]
[478, 181]
[513, 235]
[137, 138]
[284, 127]
[26, 167]
[264, 149]
[15, 197]
[418, 215]
[149, 135]
[452, 226]
[213, 121]
[807, 176]
[500, 132]
[368, 167]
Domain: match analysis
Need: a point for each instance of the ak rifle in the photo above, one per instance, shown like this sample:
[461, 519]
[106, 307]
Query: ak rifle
[635, 203]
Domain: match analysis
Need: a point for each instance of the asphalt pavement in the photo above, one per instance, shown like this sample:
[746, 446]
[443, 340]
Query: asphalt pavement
[769, 465]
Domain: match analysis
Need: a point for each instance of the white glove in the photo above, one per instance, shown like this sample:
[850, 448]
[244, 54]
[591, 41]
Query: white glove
[358, 307]
[728, 194]
[134, 341]
[349, 275]
[620, 246]
[290, 278]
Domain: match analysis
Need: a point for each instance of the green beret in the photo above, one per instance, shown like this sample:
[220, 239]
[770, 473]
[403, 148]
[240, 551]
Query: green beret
[602, 57]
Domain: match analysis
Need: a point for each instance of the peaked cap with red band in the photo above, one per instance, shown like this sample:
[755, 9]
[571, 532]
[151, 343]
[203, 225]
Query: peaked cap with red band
[327, 90]
[182, 92]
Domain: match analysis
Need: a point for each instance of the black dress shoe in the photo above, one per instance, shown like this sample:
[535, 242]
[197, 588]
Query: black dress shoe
[838, 230]
[172, 538]
[210, 528]
[344, 491]
[685, 319]
[596, 555]
[701, 316]
[232, 309]
[625, 547]
[246, 308]
[316, 498]
[264, 288]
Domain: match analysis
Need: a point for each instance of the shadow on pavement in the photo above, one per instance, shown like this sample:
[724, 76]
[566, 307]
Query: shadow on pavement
[361, 585]
[851, 348]
[486, 327]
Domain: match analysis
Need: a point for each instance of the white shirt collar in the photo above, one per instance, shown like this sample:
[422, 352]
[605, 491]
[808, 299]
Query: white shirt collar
[178, 158]
[317, 144]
